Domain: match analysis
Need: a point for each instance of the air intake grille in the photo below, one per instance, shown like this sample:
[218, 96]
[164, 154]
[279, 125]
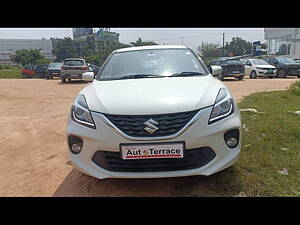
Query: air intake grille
[168, 124]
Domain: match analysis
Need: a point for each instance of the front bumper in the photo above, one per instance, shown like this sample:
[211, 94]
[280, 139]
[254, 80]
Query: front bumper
[266, 73]
[198, 135]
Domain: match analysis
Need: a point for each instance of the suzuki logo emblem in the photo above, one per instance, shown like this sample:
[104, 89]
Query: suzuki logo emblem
[151, 128]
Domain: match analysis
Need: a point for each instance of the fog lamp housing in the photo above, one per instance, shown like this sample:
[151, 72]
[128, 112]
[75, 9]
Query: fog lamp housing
[232, 138]
[75, 144]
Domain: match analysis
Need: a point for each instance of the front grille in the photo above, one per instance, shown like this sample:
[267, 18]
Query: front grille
[193, 158]
[168, 124]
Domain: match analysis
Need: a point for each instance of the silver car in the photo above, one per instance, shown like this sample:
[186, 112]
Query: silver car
[73, 68]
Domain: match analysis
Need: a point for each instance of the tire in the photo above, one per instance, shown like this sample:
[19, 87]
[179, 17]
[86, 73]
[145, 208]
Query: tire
[220, 77]
[63, 80]
[47, 78]
[24, 75]
[253, 75]
[298, 76]
[240, 77]
[69, 79]
[281, 73]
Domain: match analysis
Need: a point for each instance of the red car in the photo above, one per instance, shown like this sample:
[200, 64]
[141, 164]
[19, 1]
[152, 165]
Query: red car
[28, 71]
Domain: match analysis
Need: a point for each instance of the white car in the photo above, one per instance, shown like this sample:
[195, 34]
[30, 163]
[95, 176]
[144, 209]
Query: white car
[153, 111]
[259, 68]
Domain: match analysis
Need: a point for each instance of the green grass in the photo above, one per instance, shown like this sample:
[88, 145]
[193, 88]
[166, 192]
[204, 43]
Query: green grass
[10, 72]
[295, 88]
[256, 171]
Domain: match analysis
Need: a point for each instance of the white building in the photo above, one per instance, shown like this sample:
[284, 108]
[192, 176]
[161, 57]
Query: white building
[9, 46]
[283, 41]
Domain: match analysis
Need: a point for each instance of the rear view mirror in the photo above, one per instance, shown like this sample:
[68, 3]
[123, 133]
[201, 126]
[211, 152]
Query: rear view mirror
[215, 70]
[88, 76]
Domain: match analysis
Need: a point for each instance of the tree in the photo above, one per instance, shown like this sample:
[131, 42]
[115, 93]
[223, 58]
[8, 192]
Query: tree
[210, 50]
[238, 46]
[140, 42]
[27, 57]
[65, 48]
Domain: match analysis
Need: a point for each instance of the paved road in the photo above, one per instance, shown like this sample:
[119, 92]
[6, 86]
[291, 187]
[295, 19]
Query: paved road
[33, 151]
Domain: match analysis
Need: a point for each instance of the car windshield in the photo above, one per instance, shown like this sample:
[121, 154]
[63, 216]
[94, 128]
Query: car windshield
[259, 62]
[151, 63]
[55, 65]
[286, 60]
[233, 61]
[73, 63]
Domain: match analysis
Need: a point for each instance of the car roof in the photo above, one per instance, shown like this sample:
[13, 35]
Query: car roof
[149, 47]
[74, 59]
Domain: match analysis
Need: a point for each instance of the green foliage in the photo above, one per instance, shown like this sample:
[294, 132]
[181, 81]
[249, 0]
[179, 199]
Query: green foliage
[65, 48]
[211, 51]
[238, 46]
[27, 57]
[140, 42]
[295, 88]
[10, 72]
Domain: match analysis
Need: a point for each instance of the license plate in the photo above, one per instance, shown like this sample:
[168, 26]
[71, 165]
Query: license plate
[236, 72]
[152, 150]
[269, 71]
[54, 73]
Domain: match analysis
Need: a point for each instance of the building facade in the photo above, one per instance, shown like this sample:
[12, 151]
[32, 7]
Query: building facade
[8, 47]
[283, 41]
[81, 32]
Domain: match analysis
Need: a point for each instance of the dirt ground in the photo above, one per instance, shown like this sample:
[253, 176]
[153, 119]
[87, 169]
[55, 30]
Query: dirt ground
[33, 150]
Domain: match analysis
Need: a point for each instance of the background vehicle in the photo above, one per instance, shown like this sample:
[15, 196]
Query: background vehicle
[28, 72]
[285, 66]
[297, 60]
[53, 70]
[73, 68]
[41, 70]
[259, 68]
[231, 67]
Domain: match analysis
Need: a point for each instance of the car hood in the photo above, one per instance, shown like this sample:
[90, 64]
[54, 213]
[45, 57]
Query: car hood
[293, 64]
[152, 95]
[265, 66]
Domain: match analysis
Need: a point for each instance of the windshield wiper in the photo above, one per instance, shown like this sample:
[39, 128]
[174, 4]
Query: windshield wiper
[134, 76]
[185, 74]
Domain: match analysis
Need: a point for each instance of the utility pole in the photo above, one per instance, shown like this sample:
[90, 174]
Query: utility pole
[223, 43]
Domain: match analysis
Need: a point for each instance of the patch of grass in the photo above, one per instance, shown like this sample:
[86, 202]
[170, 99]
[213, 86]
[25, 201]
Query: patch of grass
[12, 72]
[295, 88]
[272, 144]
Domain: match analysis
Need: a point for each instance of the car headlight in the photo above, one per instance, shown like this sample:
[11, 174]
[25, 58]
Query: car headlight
[80, 112]
[223, 106]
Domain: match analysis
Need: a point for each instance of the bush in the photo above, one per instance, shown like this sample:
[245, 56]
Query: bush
[295, 88]
[1, 67]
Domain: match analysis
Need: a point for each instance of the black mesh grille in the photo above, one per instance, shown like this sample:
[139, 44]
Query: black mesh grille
[193, 158]
[168, 124]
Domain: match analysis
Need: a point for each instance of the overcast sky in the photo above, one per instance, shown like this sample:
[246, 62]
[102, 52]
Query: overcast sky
[192, 37]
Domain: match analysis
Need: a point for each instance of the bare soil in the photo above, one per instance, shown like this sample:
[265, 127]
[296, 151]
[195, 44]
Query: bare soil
[33, 149]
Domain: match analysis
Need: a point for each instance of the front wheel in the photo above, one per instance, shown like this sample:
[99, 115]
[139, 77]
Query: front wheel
[253, 75]
[220, 77]
[281, 73]
[240, 77]
[63, 80]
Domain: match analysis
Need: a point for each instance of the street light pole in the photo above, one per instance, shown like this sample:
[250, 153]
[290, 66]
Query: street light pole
[223, 43]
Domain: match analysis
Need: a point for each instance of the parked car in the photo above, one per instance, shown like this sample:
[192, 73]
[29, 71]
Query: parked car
[297, 60]
[259, 68]
[285, 66]
[73, 68]
[231, 67]
[28, 72]
[153, 111]
[41, 70]
[93, 68]
[53, 70]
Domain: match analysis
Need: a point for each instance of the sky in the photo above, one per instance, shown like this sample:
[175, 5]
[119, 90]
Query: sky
[192, 37]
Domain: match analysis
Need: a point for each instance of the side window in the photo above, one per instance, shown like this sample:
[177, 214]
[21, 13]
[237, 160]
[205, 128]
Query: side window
[248, 63]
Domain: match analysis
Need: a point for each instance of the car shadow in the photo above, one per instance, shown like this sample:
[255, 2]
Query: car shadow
[73, 82]
[224, 183]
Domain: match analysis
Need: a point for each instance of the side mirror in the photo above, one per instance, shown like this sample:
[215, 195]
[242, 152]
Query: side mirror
[215, 70]
[88, 76]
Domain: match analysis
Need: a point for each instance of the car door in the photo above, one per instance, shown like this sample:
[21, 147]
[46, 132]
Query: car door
[248, 67]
